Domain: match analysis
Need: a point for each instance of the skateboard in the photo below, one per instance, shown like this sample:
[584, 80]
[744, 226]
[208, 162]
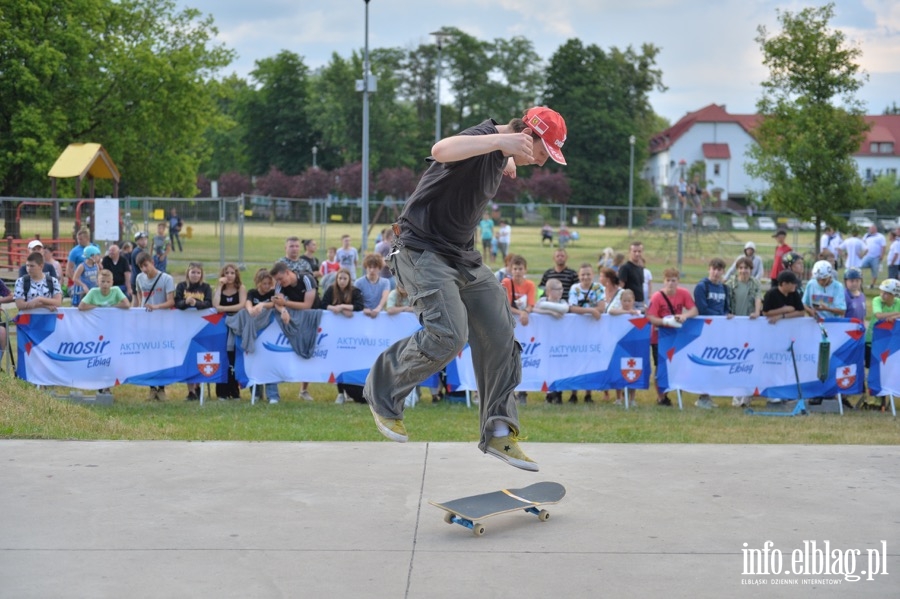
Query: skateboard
[468, 510]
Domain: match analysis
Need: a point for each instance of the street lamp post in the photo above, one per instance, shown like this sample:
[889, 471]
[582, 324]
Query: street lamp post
[315, 150]
[366, 86]
[439, 35]
[631, 141]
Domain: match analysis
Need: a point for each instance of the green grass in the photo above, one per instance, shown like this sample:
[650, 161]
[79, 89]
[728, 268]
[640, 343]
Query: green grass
[28, 413]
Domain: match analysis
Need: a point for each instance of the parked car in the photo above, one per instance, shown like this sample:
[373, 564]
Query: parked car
[710, 222]
[863, 222]
[888, 224]
[664, 223]
[262, 208]
[764, 223]
[739, 223]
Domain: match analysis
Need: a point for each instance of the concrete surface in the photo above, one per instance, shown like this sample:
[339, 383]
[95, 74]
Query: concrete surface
[259, 520]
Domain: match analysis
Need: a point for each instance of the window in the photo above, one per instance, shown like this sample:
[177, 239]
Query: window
[886, 147]
[717, 169]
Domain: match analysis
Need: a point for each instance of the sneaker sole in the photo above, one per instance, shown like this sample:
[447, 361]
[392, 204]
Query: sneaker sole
[385, 430]
[521, 464]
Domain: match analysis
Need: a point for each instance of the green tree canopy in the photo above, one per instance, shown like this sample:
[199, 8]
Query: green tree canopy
[604, 97]
[812, 122]
[129, 74]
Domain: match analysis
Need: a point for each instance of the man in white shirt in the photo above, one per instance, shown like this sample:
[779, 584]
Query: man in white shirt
[893, 257]
[854, 249]
[875, 244]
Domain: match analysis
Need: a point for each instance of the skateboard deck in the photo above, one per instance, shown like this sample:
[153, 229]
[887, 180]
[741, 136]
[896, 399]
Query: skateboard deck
[468, 510]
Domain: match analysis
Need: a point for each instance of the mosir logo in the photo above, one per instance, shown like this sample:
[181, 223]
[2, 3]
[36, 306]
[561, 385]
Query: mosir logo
[87, 351]
[732, 357]
[529, 359]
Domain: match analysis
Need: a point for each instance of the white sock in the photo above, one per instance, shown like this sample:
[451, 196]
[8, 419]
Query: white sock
[501, 429]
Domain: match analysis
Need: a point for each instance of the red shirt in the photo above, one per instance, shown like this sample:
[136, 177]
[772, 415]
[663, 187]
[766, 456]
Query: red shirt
[659, 307]
[778, 265]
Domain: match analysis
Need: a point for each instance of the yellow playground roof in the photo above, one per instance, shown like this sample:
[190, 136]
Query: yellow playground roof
[83, 159]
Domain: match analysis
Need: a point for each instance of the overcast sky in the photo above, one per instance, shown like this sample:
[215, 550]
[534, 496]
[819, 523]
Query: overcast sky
[708, 48]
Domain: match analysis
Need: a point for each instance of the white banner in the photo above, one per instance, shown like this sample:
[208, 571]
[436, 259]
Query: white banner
[345, 350]
[576, 352]
[743, 357]
[884, 374]
[110, 346]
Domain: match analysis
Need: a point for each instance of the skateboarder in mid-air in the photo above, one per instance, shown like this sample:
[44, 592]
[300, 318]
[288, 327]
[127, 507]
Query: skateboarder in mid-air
[455, 297]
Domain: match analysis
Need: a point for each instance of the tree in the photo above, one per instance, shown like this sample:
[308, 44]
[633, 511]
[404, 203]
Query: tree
[277, 126]
[131, 75]
[805, 142]
[604, 98]
[548, 185]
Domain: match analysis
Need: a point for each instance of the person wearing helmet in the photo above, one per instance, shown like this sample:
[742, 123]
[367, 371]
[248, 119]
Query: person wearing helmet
[85, 275]
[824, 296]
[854, 298]
[749, 252]
[780, 250]
[793, 262]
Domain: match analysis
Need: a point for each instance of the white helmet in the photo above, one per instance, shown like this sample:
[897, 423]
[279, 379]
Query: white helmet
[891, 286]
[822, 270]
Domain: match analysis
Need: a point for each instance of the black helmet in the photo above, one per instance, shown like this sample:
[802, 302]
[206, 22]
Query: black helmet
[788, 259]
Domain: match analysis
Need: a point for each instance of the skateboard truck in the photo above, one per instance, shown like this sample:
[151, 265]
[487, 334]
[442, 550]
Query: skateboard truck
[477, 528]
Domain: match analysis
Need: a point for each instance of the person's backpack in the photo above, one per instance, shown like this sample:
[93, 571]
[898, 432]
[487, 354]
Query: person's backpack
[26, 284]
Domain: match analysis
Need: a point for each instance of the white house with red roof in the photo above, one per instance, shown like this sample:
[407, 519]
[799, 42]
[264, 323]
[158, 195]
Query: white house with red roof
[721, 140]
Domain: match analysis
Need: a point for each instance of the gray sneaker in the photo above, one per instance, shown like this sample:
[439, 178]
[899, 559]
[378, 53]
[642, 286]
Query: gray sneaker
[705, 403]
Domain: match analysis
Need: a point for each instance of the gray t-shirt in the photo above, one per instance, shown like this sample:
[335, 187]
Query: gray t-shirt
[372, 292]
[443, 212]
[164, 284]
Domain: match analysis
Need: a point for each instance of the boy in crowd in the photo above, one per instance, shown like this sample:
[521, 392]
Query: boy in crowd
[105, 294]
[824, 297]
[347, 256]
[711, 299]
[374, 288]
[37, 289]
[296, 292]
[586, 297]
[520, 292]
[669, 307]
[783, 301]
[153, 290]
[161, 247]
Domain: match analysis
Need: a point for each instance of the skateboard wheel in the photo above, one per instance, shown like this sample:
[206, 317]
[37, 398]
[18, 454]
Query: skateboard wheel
[543, 515]
[448, 517]
[477, 529]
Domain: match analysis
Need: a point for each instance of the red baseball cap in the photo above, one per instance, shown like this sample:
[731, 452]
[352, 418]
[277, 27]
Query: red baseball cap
[551, 128]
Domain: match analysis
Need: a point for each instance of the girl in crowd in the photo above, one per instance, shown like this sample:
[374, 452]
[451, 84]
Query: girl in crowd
[611, 290]
[259, 300]
[229, 298]
[342, 297]
[194, 293]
